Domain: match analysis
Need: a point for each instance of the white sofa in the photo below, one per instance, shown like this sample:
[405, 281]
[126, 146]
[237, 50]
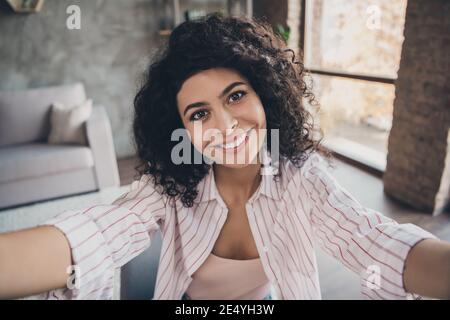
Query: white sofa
[32, 170]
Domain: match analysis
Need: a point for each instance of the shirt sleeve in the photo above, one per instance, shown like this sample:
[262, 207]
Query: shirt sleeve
[367, 242]
[103, 238]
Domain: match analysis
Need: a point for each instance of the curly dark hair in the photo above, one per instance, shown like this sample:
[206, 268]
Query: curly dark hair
[247, 46]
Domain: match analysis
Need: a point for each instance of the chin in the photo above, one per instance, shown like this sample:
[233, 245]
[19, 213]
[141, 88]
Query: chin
[251, 157]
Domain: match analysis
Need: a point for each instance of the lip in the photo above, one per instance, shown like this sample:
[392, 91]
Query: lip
[238, 147]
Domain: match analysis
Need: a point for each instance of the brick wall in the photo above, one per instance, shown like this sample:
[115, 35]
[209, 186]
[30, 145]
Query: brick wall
[418, 162]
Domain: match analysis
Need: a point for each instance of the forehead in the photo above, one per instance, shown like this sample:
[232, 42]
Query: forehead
[208, 81]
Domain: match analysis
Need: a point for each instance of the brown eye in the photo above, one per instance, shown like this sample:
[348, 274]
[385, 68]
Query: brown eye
[236, 96]
[198, 115]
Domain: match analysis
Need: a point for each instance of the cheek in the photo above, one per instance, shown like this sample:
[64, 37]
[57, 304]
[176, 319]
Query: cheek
[197, 138]
[258, 114]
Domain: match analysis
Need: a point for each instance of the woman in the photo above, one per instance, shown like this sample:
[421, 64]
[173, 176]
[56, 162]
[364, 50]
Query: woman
[231, 230]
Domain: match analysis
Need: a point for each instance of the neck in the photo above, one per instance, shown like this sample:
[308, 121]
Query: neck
[237, 184]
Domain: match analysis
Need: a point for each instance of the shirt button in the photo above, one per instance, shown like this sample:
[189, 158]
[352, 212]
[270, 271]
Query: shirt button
[266, 249]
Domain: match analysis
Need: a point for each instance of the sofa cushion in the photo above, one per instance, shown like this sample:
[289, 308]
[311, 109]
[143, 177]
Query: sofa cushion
[24, 115]
[67, 123]
[30, 161]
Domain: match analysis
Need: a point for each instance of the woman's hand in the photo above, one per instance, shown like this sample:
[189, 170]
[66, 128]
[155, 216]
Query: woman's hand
[33, 261]
[427, 269]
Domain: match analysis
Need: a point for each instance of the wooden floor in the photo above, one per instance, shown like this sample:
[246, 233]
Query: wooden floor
[337, 282]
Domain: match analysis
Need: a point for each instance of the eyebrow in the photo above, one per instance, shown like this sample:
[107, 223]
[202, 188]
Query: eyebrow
[224, 92]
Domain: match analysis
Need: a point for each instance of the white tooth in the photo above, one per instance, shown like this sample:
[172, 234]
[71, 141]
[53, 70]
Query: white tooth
[234, 144]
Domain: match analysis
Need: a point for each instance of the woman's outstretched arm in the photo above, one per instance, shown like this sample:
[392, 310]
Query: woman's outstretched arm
[427, 269]
[94, 242]
[32, 261]
[394, 261]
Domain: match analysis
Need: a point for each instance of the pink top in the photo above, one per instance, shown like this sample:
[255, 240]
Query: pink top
[288, 217]
[229, 279]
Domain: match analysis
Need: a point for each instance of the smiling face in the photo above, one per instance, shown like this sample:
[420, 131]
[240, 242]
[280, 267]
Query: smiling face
[223, 115]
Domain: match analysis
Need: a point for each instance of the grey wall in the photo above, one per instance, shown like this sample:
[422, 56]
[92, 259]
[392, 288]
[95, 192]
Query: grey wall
[108, 54]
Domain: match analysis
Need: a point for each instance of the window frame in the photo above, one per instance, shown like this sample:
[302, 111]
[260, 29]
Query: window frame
[327, 72]
[378, 166]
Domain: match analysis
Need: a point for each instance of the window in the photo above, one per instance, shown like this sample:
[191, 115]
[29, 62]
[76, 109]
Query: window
[352, 49]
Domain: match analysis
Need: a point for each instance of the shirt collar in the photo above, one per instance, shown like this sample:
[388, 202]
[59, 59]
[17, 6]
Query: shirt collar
[269, 187]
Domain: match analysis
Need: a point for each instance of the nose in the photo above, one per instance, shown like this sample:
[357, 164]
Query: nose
[225, 122]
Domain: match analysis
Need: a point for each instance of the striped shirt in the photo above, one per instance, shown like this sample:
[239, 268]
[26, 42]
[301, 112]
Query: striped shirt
[288, 218]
